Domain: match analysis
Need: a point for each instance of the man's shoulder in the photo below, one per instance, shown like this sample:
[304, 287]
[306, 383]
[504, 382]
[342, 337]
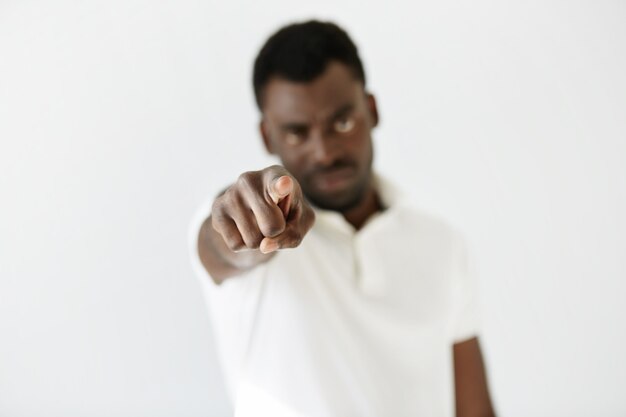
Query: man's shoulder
[414, 218]
[399, 203]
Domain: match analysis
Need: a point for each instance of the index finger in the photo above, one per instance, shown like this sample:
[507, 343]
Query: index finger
[280, 190]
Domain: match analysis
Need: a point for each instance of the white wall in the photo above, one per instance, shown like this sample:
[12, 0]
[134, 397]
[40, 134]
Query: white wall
[118, 117]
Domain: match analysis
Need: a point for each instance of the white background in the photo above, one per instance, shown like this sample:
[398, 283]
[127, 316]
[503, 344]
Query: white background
[117, 118]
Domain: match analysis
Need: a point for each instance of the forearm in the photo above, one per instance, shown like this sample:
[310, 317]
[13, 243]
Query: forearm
[470, 381]
[219, 260]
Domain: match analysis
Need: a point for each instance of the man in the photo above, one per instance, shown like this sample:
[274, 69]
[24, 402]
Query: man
[330, 296]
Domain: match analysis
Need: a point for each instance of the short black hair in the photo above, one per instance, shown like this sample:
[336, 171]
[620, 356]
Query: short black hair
[300, 52]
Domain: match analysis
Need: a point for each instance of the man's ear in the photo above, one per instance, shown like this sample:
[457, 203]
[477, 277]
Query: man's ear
[372, 108]
[263, 129]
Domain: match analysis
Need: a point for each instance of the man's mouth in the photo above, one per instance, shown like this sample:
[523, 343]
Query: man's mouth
[333, 179]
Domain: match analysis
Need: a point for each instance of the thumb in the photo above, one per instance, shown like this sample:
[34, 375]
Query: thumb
[280, 190]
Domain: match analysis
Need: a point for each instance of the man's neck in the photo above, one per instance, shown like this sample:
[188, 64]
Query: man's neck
[358, 215]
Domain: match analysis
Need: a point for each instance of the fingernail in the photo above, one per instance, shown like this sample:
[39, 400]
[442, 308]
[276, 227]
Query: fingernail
[270, 246]
[283, 185]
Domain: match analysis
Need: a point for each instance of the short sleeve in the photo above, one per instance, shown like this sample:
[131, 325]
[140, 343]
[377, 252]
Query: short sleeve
[199, 217]
[231, 305]
[465, 300]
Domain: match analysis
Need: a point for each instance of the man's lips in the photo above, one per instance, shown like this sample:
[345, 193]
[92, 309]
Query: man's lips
[333, 178]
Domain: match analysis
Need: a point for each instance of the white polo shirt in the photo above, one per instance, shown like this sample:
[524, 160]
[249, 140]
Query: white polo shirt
[349, 323]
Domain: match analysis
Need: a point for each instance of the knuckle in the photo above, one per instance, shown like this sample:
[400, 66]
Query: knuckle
[217, 208]
[216, 222]
[275, 168]
[234, 245]
[232, 205]
[232, 238]
[274, 171]
[272, 231]
[247, 180]
[272, 226]
[224, 203]
[250, 234]
[252, 240]
[219, 223]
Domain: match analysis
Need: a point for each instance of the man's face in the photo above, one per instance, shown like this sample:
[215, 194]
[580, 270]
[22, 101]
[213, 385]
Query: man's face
[321, 130]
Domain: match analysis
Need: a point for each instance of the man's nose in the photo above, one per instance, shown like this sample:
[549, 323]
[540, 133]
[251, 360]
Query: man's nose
[324, 148]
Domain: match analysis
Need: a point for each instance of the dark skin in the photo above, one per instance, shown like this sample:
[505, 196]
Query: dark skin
[321, 131]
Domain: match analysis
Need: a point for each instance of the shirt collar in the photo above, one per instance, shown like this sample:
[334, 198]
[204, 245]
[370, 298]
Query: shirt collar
[391, 198]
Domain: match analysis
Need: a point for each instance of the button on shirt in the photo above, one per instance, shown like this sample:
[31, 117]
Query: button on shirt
[350, 323]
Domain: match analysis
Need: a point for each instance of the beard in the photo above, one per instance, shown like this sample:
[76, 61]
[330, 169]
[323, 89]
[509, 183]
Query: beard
[341, 200]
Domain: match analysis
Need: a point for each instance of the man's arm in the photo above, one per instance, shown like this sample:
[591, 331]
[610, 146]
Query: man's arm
[261, 212]
[219, 260]
[470, 381]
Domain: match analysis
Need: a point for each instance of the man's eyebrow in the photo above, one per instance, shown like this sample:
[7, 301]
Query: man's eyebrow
[341, 111]
[301, 126]
[294, 126]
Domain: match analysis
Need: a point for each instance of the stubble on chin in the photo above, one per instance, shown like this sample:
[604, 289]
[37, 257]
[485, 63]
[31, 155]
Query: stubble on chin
[357, 195]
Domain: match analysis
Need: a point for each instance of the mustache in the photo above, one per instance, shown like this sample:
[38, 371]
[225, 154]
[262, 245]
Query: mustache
[339, 164]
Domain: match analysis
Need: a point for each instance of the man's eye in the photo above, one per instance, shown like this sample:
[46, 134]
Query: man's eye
[344, 125]
[294, 138]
